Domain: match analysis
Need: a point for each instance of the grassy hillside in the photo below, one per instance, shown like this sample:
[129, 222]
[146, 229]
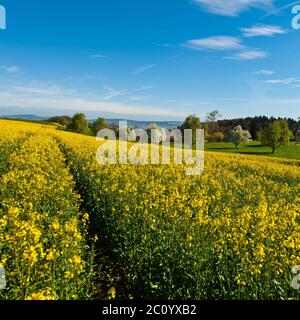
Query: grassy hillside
[292, 151]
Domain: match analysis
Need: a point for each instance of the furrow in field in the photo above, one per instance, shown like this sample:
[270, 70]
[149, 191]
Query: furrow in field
[42, 232]
[231, 232]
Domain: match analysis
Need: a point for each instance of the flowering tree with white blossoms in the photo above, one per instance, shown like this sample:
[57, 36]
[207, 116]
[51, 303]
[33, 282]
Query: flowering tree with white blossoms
[238, 135]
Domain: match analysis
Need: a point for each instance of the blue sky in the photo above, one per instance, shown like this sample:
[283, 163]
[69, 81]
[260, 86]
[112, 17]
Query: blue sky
[151, 60]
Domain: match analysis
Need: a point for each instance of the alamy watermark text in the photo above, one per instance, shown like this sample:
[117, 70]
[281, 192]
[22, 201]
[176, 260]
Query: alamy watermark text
[133, 147]
[2, 18]
[296, 19]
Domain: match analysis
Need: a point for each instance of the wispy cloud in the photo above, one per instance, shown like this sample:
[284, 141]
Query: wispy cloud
[226, 43]
[233, 8]
[264, 72]
[217, 43]
[112, 93]
[139, 98]
[132, 95]
[143, 69]
[260, 30]
[29, 98]
[271, 106]
[11, 69]
[145, 88]
[295, 82]
[251, 54]
[278, 10]
[97, 56]
[51, 90]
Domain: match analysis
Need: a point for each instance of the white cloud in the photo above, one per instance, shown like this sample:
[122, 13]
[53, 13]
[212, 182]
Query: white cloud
[139, 98]
[143, 69]
[264, 72]
[97, 56]
[217, 43]
[259, 30]
[227, 43]
[233, 7]
[11, 69]
[28, 98]
[51, 90]
[112, 93]
[250, 54]
[145, 88]
[287, 81]
[285, 101]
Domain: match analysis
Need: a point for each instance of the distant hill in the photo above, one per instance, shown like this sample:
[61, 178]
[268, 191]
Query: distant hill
[24, 117]
[131, 123]
[145, 124]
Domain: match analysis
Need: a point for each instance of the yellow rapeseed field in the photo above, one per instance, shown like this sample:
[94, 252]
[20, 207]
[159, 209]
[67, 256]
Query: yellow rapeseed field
[229, 233]
[42, 245]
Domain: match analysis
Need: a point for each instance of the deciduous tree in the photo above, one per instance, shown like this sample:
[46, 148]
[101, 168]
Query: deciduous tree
[238, 135]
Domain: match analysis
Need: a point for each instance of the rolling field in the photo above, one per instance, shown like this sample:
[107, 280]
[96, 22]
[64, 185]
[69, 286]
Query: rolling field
[229, 233]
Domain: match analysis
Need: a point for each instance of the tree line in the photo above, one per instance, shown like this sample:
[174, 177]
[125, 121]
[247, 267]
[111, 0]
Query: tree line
[80, 124]
[255, 125]
[270, 132]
